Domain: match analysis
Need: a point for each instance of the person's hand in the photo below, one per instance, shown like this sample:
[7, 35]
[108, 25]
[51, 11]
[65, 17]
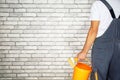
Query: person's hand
[81, 55]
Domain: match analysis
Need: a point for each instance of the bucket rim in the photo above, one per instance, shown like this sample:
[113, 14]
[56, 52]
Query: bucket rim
[83, 66]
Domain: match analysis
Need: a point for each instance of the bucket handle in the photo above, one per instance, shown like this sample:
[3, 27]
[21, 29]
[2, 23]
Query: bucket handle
[72, 61]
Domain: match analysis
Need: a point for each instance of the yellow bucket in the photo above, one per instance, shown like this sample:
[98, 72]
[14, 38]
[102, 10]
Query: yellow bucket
[81, 70]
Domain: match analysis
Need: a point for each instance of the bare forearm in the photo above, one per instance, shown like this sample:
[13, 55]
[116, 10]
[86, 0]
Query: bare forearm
[89, 40]
[91, 36]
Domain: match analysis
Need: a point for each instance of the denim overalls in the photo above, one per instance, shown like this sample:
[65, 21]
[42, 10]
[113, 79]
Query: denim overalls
[106, 51]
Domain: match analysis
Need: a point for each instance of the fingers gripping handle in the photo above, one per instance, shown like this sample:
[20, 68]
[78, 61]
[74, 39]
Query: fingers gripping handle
[72, 61]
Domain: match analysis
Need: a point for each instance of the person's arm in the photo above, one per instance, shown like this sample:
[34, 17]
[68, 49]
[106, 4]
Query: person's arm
[89, 40]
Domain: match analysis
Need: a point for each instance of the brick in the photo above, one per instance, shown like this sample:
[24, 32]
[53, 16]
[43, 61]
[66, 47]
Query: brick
[12, 55]
[50, 14]
[16, 14]
[30, 47]
[14, 51]
[31, 78]
[47, 10]
[41, 67]
[22, 59]
[2, 18]
[35, 74]
[3, 35]
[25, 1]
[37, 23]
[68, 1]
[40, 1]
[51, 55]
[2, 1]
[26, 39]
[15, 6]
[2, 55]
[5, 71]
[16, 31]
[27, 51]
[8, 59]
[29, 14]
[15, 67]
[34, 43]
[21, 27]
[13, 35]
[61, 10]
[3, 51]
[10, 23]
[4, 5]
[65, 55]
[48, 59]
[18, 78]
[21, 43]
[37, 55]
[31, 63]
[68, 35]
[27, 35]
[4, 14]
[7, 43]
[29, 6]
[17, 63]
[19, 10]
[75, 43]
[48, 43]
[7, 27]
[75, 10]
[5, 47]
[54, 1]
[18, 71]
[25, 55]
[11, 1]
[23, 23]
[4, 67]
[9, 75]
[12, 18]
[86, 10]
[28, 67]
[34, 10]
[81, 1]
[26, 18]
[55, 6]
[31, 71]
[1, 23]
[22, 75]
[5, 63]
[6, 10]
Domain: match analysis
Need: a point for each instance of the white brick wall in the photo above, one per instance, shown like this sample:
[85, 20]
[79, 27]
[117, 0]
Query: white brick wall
[38, 36]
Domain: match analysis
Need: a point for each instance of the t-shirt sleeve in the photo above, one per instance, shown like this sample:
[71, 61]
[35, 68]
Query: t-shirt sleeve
[95, 11]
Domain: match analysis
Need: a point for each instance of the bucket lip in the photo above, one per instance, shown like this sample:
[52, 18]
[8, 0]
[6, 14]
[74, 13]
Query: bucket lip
[83, 66]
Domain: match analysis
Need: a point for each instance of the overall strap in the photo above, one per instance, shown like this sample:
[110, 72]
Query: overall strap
[110, 8]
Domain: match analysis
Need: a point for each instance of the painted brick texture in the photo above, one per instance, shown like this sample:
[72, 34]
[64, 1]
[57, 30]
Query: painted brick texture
[38, 36]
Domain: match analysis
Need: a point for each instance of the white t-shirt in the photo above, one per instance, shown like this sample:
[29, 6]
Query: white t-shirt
[101, 13]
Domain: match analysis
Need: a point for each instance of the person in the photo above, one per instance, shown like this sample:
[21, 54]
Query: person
[104, 37]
